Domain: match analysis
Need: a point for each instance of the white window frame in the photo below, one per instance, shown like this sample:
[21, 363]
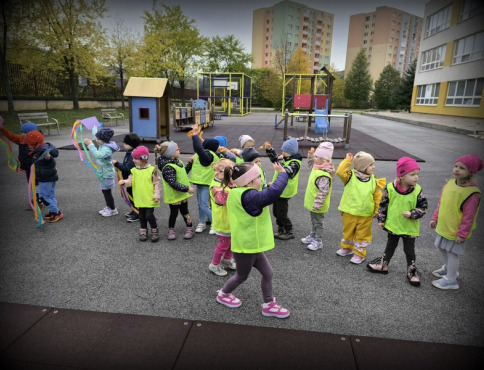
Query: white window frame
[469, 48]
[433, 58]
[427, 94]
[439, 21]
[466, 93]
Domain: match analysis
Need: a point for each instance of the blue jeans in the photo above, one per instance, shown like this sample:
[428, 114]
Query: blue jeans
[203, 198]
[47, 191]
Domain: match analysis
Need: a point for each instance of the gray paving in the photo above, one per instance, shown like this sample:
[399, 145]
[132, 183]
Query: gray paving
[92, 263]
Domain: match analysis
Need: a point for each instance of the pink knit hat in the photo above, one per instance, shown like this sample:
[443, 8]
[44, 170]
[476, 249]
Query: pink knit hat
[406, 165]
[472, 161]
[325, 150]
[141, 153]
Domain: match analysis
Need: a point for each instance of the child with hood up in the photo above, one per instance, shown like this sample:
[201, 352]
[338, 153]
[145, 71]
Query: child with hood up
[104, 157]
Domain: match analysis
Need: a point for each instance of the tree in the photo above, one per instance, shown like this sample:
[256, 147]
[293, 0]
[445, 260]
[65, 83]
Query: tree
[226, 54]
[386, 88]
[404, 92]
[283, 50]
[70, 36]
[173, 44]
[358, 83]
[270, 85]
[122, 49]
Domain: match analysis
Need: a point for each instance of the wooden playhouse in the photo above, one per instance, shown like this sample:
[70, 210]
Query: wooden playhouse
[149, 105]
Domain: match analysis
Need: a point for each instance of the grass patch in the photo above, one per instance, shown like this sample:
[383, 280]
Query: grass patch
[66, 117]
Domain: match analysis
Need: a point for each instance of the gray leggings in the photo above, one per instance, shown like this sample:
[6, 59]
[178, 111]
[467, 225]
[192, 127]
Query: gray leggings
[451, 261]
[245, 262]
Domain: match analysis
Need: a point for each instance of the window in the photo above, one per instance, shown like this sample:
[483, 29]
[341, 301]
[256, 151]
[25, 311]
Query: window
[268, 21]
[289, 17]
[289, 26]
[465, 92]
[365, 42]
[438, 21]
[367, 19]
[267, 38]
[433, 58]
[428, 94]
[144, 113]
[471, 8]
[469, 48]
[328, 35]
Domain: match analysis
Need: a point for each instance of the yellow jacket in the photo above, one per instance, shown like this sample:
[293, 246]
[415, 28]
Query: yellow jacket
[344, 173]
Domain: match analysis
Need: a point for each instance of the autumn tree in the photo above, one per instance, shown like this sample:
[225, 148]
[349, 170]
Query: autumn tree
[358, 83]
[386, 88]
[69, 35]
[122, 49]
[226, 54]
[172, 46]
[270, 85]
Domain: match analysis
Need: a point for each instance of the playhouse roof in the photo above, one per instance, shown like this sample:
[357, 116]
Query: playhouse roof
[147, 87]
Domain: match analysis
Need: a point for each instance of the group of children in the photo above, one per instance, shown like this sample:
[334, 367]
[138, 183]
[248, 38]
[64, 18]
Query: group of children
[233, 196]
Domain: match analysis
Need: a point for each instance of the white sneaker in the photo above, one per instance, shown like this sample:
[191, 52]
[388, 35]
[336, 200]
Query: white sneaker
[230, 264]
[315, 245]
[344, 252]
[110, 212]
[217, 270]
[103, 210]
[308, 239]
[212, 231]
[200, 227]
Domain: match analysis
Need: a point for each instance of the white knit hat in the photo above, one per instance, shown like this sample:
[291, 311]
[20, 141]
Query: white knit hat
[244, 138]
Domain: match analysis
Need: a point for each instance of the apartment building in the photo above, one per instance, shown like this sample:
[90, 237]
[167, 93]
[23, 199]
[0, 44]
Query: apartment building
[450, 69]
[389, 36]
[288, 25]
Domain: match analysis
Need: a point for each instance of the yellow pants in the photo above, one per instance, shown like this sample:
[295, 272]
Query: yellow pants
[357, 233]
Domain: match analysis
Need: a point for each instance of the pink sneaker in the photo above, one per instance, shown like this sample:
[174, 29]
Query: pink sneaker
[273, 309]
[344, 252]
[356, 259]
[228, 300]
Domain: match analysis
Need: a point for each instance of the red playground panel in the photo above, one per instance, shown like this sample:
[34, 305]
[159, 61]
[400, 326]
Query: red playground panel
[304, 101]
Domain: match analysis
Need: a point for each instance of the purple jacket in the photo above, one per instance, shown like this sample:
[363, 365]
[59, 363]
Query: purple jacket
[254, 201]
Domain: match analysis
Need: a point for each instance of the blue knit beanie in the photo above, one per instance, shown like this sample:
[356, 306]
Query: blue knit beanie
[290, 146]
[105, 134]
[28, 126]
[222, 140]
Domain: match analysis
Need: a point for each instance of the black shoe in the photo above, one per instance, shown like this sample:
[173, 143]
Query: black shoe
[133, 218]
[286, 236]
[279, 232]
[131, 214]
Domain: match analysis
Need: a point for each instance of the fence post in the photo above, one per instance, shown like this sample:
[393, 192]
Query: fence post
[286, 117]
[348, 131]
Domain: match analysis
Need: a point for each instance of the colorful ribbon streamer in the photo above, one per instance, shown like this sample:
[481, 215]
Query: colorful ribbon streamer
[13, 163]
[84, 152]
[124, 194]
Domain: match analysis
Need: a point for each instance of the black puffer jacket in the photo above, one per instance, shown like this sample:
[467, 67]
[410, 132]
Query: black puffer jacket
[45, 170]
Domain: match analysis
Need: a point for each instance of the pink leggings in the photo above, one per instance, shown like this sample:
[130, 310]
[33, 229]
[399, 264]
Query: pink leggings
[222, 249]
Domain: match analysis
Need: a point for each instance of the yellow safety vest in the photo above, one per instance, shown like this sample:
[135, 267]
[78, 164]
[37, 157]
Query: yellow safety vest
[398, 203]
[312, 191]
[357, 196]
[220, 217]
[143, 188]
[171, 195]
[203, 175]
[292, 184]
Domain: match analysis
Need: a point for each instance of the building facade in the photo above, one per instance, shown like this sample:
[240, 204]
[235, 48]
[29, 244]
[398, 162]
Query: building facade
[450, 68]
[388, 36]
[289, 25]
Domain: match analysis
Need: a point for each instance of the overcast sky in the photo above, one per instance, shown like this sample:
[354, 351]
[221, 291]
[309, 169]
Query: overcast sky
[225, 17]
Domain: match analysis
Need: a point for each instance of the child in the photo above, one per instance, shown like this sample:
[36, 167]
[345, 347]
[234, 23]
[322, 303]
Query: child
[359, 204]
[251, 155]
[104, 157]
[401, 208]
[222, 256]
[202, 176]
[245, 141]
[318, 193]
[291, 161]
[24, 157]
[455, 218]
[45, 171]
[251, 230]
[222, 151]
[130, 142]
[176, 187]
[146, 192]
